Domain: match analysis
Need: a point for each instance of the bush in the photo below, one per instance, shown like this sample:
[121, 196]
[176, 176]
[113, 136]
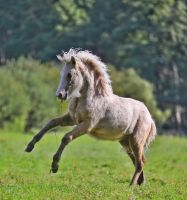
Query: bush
[14, 102]
[38, 82]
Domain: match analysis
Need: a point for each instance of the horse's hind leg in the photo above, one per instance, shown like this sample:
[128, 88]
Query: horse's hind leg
[137, 148]
[126, 145]
[141, 178]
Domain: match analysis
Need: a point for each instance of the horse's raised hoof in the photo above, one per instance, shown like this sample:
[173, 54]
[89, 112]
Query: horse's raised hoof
[29, 148]
[54, 167]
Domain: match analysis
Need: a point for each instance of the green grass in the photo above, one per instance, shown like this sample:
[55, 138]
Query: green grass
[90, 169]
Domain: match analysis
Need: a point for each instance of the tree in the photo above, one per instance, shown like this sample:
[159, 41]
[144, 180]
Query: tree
[160, 47]
[27, 28]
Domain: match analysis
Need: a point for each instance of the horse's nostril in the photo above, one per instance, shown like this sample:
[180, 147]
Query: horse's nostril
[59, 95]
[62, 95]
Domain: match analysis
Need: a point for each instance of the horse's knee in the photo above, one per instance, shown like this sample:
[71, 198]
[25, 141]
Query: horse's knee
[66, 139]
[52, 123]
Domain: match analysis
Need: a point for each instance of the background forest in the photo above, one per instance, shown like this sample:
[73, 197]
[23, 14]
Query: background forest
[143, 42]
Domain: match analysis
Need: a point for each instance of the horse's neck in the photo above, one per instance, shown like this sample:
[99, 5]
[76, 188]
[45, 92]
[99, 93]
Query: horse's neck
[88, 90]
[85, 92]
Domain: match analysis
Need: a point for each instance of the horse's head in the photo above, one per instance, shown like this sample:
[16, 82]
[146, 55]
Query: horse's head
[71, 80]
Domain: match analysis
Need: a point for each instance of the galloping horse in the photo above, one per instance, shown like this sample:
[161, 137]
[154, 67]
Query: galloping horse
[95, 110]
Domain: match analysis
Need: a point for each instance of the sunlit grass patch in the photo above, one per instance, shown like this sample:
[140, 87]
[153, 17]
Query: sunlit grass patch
[90, 169]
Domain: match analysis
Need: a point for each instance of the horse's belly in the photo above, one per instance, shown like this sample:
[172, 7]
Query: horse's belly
[107, 134]
[108, 129]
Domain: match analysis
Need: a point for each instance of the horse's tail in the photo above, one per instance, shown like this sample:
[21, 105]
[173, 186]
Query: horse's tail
[151, 135]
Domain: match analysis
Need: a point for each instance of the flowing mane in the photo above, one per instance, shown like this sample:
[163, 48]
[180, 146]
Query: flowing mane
[93, 63]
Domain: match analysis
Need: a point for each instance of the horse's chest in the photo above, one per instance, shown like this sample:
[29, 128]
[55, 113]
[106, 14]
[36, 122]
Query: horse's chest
[78, 112]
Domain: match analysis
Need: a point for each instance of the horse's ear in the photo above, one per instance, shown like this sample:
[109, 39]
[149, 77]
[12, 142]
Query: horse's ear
[73, 60]
[59, 57]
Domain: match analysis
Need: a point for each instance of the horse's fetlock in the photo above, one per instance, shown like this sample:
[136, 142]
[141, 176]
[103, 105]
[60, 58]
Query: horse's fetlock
[29, 147]
[54, 167]
[56, 158]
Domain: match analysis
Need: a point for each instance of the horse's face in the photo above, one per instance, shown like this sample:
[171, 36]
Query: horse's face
[71, 81]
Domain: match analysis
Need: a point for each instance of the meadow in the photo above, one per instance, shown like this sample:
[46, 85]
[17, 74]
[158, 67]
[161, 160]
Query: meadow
[89, 169]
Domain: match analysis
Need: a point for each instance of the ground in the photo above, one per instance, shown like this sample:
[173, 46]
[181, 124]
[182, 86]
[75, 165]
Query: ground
[90, 169]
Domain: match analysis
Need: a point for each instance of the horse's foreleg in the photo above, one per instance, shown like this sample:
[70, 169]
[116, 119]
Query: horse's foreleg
[60, 121]
[79, 130]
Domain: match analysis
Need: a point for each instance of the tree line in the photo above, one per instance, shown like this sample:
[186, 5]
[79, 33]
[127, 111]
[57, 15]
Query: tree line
[147, 36]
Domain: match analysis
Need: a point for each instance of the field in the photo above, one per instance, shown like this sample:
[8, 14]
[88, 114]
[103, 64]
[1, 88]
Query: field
[90, 169]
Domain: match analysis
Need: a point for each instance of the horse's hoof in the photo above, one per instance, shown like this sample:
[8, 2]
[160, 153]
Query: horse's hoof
[54, 167]
[142, 182]
[54, 170]
[29, 148]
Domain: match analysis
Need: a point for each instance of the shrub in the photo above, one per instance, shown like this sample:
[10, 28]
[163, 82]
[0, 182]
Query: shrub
[14, 102]
[38, 82]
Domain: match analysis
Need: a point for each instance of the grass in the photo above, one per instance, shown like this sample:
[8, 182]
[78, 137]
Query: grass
[90, 169]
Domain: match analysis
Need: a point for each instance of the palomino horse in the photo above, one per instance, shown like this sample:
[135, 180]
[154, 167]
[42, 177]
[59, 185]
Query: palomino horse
[95, 110]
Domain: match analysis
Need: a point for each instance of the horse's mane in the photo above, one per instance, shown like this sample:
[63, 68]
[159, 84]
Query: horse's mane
[102, 79]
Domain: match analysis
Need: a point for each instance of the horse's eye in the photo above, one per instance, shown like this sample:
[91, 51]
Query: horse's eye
[69, 76]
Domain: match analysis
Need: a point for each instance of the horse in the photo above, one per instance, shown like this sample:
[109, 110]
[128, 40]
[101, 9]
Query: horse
[95, 110]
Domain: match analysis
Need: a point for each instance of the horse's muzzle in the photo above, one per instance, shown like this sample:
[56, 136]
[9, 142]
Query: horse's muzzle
[62, 95]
